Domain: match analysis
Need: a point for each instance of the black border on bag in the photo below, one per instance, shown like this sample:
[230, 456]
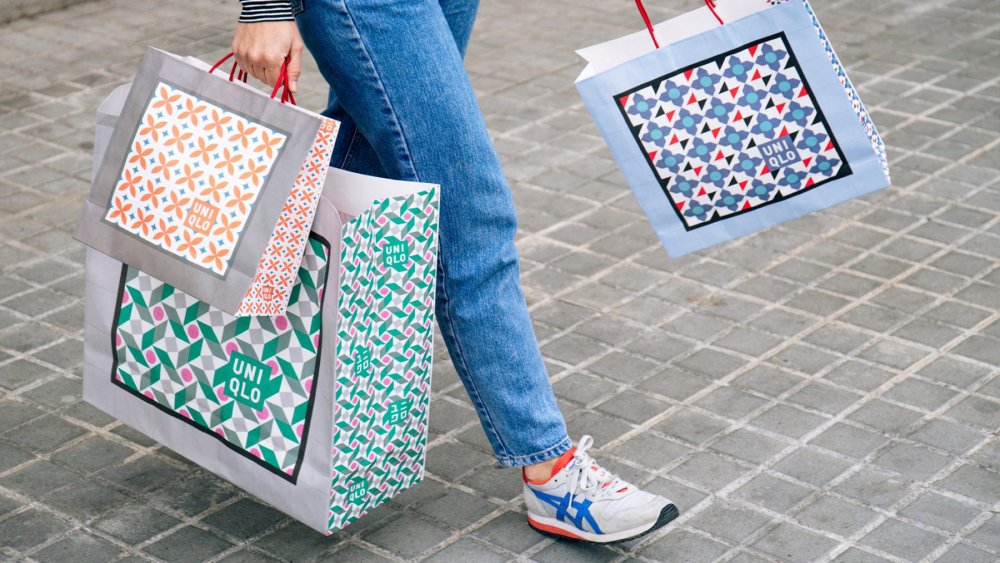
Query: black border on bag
[844, 172]
[293, 478]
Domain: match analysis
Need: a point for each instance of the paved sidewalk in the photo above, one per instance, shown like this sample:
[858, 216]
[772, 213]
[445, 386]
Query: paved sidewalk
[825, 390]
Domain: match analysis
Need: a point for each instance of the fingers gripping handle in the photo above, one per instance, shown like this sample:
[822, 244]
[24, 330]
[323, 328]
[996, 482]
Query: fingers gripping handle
[280, 84]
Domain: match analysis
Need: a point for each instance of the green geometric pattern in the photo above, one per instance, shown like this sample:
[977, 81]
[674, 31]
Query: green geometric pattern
[388, 268]
[246, 380]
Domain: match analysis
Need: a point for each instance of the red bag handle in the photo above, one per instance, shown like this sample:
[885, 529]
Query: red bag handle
[649, 25]
[282, 82]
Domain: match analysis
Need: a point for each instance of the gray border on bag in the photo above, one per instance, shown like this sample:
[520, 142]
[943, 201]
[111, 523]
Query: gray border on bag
[224, 293]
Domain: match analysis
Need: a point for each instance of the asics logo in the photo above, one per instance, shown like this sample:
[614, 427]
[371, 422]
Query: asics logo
[564, 503]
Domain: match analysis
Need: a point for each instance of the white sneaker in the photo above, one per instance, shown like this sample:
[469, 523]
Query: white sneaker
[583, 501]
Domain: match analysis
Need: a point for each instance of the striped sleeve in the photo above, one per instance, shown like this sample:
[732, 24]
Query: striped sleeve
[266, 11]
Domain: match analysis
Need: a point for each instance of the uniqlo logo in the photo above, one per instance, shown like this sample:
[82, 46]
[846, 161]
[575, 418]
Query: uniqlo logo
[358, 491]
[201, 217]
[267, 292]
[397, 412]
[363, 362]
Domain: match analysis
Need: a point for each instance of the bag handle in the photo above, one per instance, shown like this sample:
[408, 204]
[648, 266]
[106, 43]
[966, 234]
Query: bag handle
[649, 25]
[282, 82]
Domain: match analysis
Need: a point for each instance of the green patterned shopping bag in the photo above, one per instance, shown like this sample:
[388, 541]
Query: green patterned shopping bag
[321, 411]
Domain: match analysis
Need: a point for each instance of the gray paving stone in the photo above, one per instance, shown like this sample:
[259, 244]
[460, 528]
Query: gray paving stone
[849, 440]
[954, 370]
[144, 474]
[948, 436]
[857, 375]
[39, 478]
[682, 545]
[457, 509]
[730, 402]
[729, 522]
[748, 445]
[622, 367]
[940, 511]
[974, 482]
[835, 515]
[792, 543]
[135, 523]
[43, 434]
[675, 384]
[92, 454]
[885, 416]
[874, 487]
[650, 451]
[296, 542]
[682, 496]
[407, 537]
[29, 528]
[987, 534]
[453, 460]
[963, 553]
[913, 461]
[467, 549]
[355, 553]
[244, 518]
[78, 547]
[811, 466]
[199, 493]
[788, 421]
[86, 500]
[976, 411]
[691, 426]
[633, 406]
[510, 532]
[11, 457]
[902, 540]
[896, 355]
[247, 556]
[709, 471]
[187, 544]
[855, 555]
[602, 427]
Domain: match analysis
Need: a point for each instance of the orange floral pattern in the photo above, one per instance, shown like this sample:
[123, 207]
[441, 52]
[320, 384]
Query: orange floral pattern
[278, 267]
[185, 151]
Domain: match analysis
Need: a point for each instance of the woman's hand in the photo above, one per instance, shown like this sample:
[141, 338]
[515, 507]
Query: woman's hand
[261, 48]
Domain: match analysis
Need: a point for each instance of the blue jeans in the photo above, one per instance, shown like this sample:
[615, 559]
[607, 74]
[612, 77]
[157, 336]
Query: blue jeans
[408, 112]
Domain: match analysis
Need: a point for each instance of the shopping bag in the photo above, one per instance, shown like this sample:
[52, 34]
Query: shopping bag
[320, 411]
[209, 184]
[730, 119]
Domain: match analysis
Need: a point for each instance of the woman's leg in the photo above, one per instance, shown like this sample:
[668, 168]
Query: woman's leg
[353, 152]
[396, 69]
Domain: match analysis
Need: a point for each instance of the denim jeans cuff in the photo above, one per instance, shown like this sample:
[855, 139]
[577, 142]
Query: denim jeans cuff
[538, 457]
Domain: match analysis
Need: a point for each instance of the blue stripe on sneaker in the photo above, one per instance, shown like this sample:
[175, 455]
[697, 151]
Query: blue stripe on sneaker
[564, 503]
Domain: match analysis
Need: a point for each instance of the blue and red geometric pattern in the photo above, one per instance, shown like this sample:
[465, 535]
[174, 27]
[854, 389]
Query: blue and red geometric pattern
[733, 133]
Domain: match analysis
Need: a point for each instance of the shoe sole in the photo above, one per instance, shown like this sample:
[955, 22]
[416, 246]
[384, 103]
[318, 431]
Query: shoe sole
[667, 514]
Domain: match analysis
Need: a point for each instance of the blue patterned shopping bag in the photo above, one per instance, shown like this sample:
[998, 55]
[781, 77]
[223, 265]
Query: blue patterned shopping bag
[739, 117]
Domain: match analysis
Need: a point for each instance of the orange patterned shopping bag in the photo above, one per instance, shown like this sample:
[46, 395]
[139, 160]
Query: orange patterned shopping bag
[209, 185]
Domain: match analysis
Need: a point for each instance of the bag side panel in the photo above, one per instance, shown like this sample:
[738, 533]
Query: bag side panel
[384, 353]
[852, 93]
